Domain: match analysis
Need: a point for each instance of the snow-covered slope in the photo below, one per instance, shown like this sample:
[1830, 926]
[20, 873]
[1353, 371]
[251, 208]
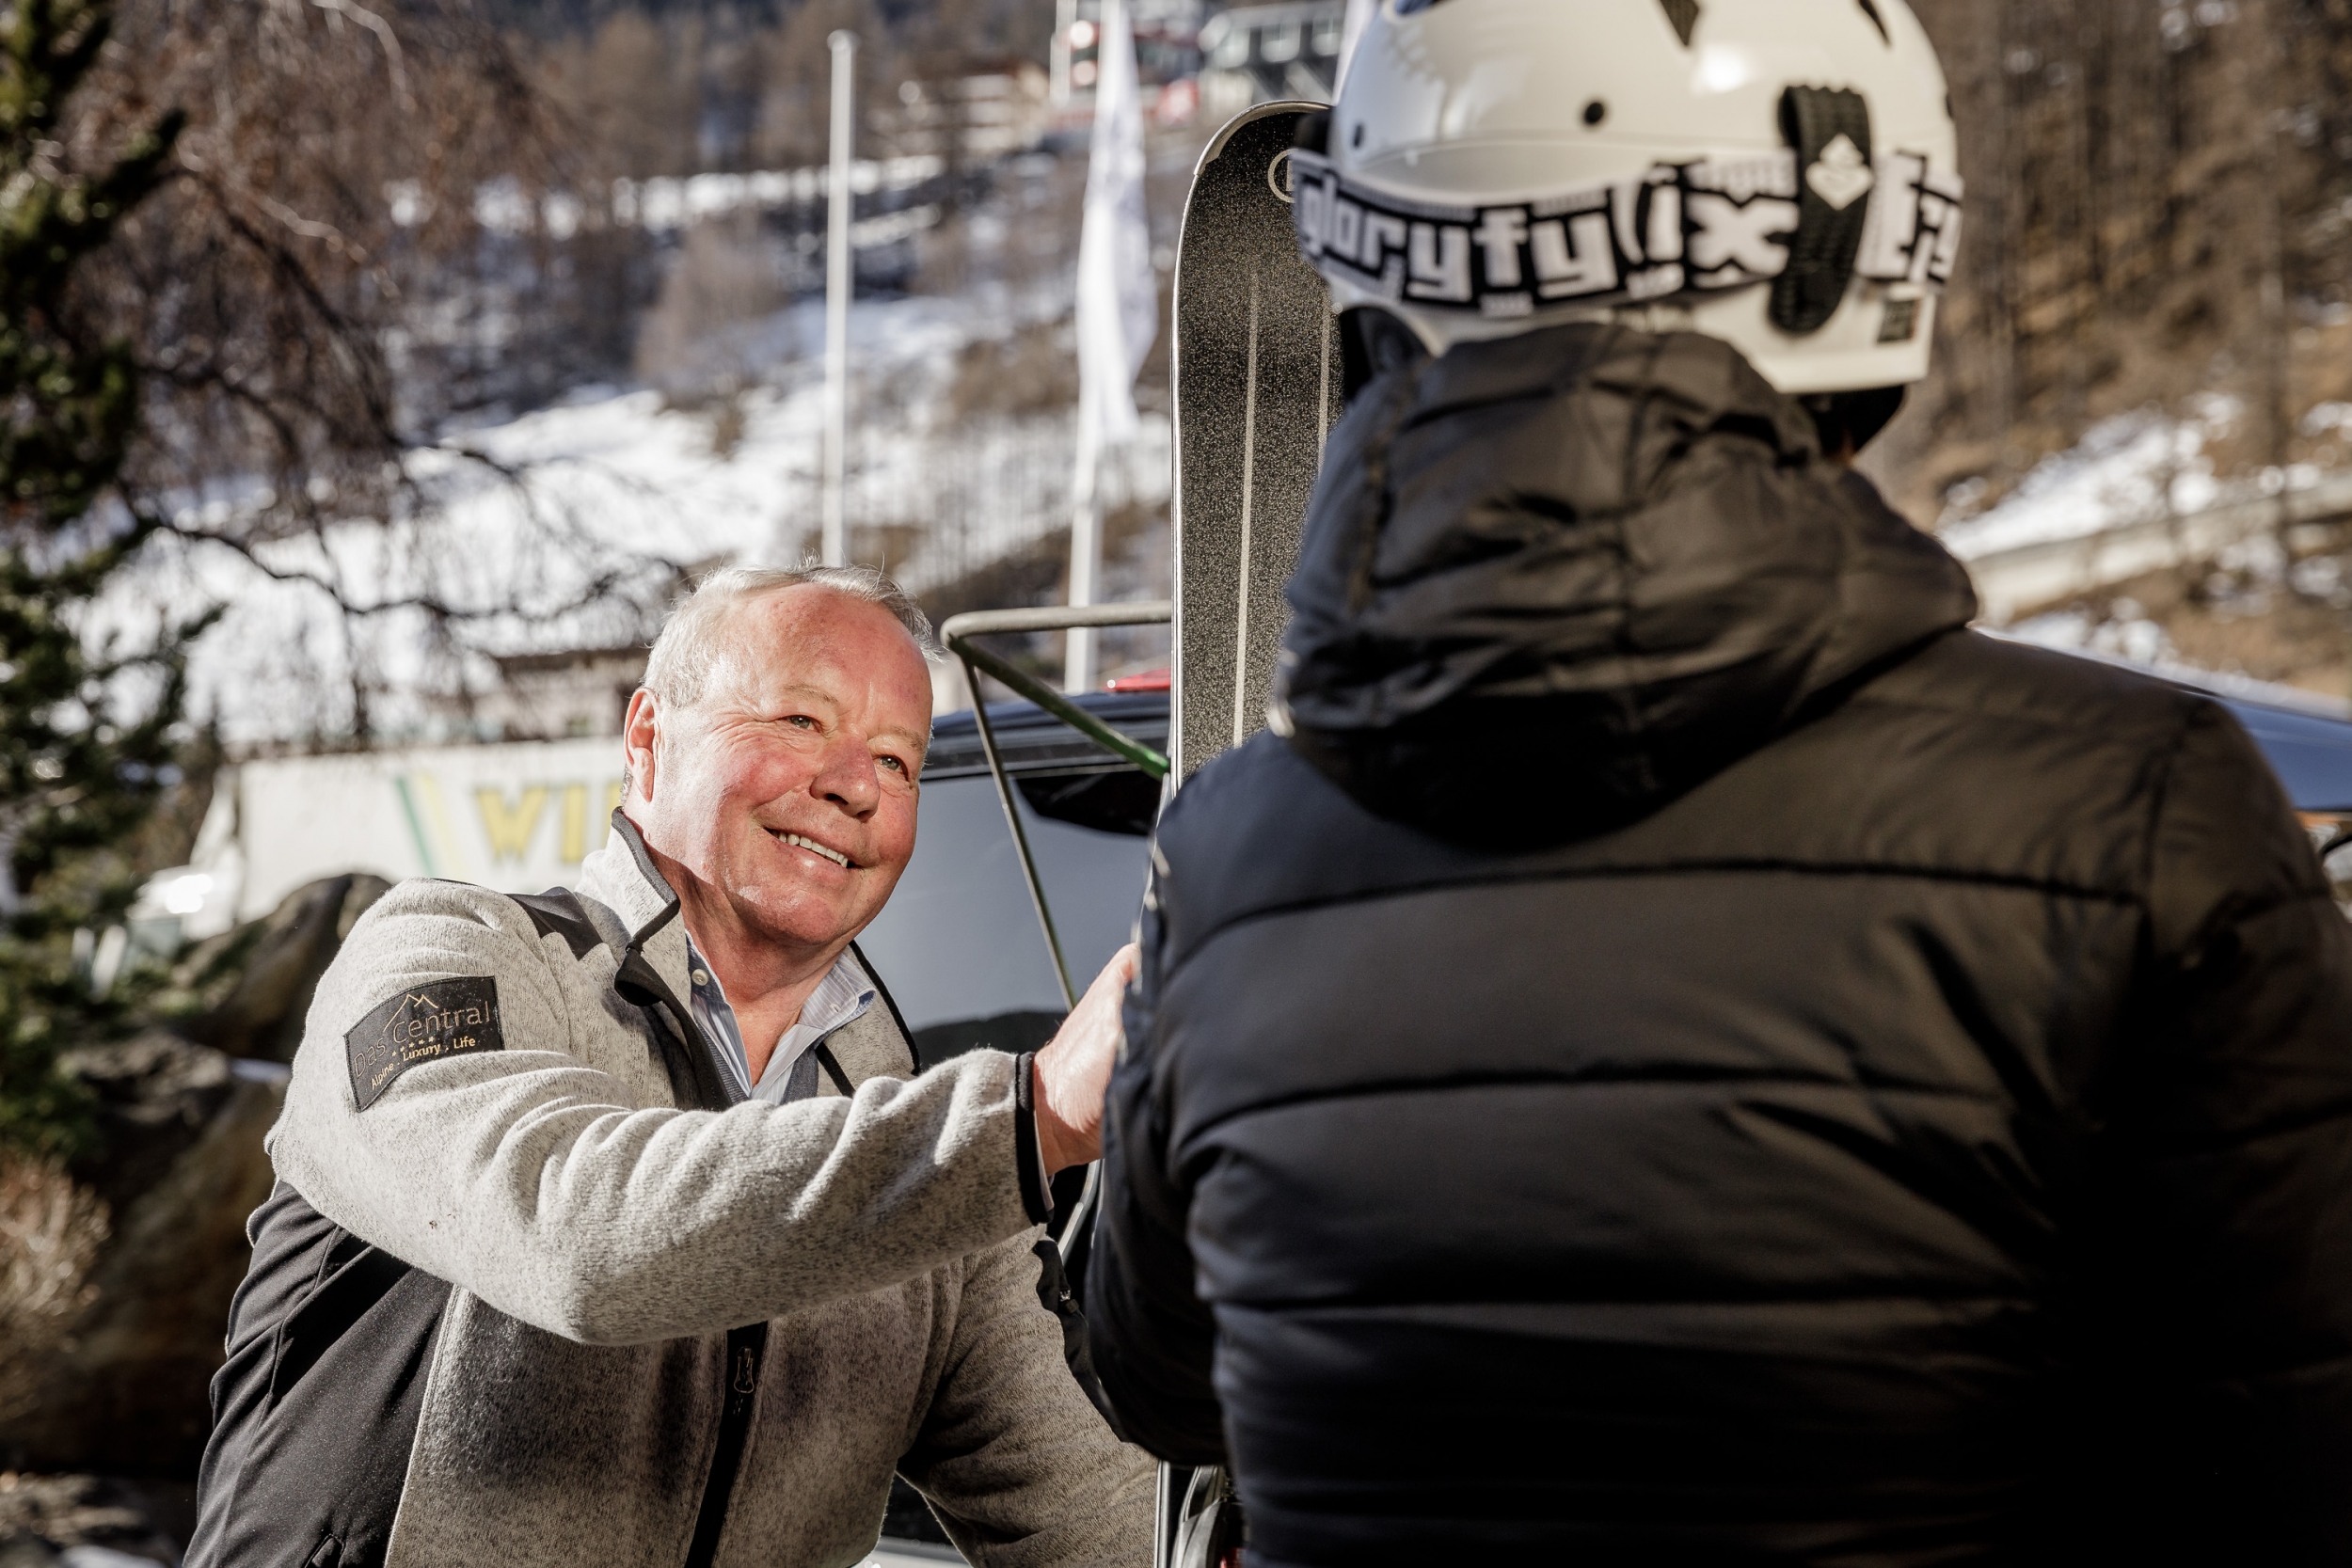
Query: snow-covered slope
[567, 527]
[2136, 466]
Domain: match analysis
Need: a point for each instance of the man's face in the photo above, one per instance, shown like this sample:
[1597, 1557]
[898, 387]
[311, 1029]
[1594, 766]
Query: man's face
[788, 790]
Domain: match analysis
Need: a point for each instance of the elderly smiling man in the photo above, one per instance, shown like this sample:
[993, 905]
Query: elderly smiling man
[621, 1226]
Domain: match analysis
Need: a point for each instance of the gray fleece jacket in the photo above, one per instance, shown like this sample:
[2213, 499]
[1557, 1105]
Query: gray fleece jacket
[475, 1099]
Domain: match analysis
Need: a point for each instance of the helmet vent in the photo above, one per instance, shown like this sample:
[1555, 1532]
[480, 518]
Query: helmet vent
[1683, 16]
[1870, 8]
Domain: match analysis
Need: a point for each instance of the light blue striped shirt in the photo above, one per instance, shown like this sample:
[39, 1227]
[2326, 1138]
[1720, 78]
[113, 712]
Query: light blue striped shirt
[840, 998]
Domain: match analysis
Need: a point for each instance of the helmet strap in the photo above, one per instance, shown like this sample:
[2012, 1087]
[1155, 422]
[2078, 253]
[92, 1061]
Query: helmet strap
[1830, 130]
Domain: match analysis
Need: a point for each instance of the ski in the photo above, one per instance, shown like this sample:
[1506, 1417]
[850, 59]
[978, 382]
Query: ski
[1257, 388]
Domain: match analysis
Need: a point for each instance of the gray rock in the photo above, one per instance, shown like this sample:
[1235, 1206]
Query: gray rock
[156, 1094]
[251, 987]
[122, 1384]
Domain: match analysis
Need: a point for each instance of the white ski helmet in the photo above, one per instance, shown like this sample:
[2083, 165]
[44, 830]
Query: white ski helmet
[1779, 174]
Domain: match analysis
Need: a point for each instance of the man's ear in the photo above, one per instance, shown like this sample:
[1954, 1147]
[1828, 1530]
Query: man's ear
[640, 731]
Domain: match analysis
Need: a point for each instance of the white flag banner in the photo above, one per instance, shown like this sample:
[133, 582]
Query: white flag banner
[1118, 310]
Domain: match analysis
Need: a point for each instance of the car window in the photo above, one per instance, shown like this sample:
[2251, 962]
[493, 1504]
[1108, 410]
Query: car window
[959, 944]
[1111, 799]
[2312, 754]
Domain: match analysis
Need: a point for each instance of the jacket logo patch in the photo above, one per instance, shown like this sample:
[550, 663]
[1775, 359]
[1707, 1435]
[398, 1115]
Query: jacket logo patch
[446, 1018]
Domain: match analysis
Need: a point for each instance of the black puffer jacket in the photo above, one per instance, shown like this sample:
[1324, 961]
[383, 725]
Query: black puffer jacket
[1688, 1056]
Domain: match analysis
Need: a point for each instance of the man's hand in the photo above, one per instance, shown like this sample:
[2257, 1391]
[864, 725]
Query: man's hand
[1074, 1071]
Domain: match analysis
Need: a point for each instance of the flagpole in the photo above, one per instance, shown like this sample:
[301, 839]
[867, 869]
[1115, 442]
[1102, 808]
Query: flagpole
[1085, 549]
[834, 540]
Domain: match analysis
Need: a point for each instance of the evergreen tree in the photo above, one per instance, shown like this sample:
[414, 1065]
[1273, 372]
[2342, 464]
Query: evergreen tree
[78, 773]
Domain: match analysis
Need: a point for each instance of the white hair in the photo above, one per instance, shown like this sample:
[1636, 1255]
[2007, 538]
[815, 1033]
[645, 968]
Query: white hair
[690, 645]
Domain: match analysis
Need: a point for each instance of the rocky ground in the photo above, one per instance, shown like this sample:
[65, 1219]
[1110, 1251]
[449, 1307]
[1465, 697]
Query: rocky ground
[91, 1521]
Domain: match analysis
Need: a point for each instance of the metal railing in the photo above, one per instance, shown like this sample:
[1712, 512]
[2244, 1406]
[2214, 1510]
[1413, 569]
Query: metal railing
[958, 633]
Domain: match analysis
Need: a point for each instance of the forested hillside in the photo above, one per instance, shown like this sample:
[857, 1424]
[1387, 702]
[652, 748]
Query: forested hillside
[2159, 198]
[2153, 314]
[2157, 192]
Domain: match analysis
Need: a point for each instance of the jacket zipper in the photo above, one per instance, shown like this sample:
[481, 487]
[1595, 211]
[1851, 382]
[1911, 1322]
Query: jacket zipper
[746, 1348]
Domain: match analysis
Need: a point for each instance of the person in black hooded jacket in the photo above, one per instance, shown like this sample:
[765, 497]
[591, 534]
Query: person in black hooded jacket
[1676, 1050]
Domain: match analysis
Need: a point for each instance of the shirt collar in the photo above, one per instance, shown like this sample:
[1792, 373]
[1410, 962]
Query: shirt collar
[841, 998]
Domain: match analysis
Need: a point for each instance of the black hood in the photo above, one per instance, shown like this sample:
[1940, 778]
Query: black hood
[1552, 581]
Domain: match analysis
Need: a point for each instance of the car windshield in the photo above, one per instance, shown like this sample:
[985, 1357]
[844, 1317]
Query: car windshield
[2310, 754]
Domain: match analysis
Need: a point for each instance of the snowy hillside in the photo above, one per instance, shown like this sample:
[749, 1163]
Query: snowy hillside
[611, 489]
